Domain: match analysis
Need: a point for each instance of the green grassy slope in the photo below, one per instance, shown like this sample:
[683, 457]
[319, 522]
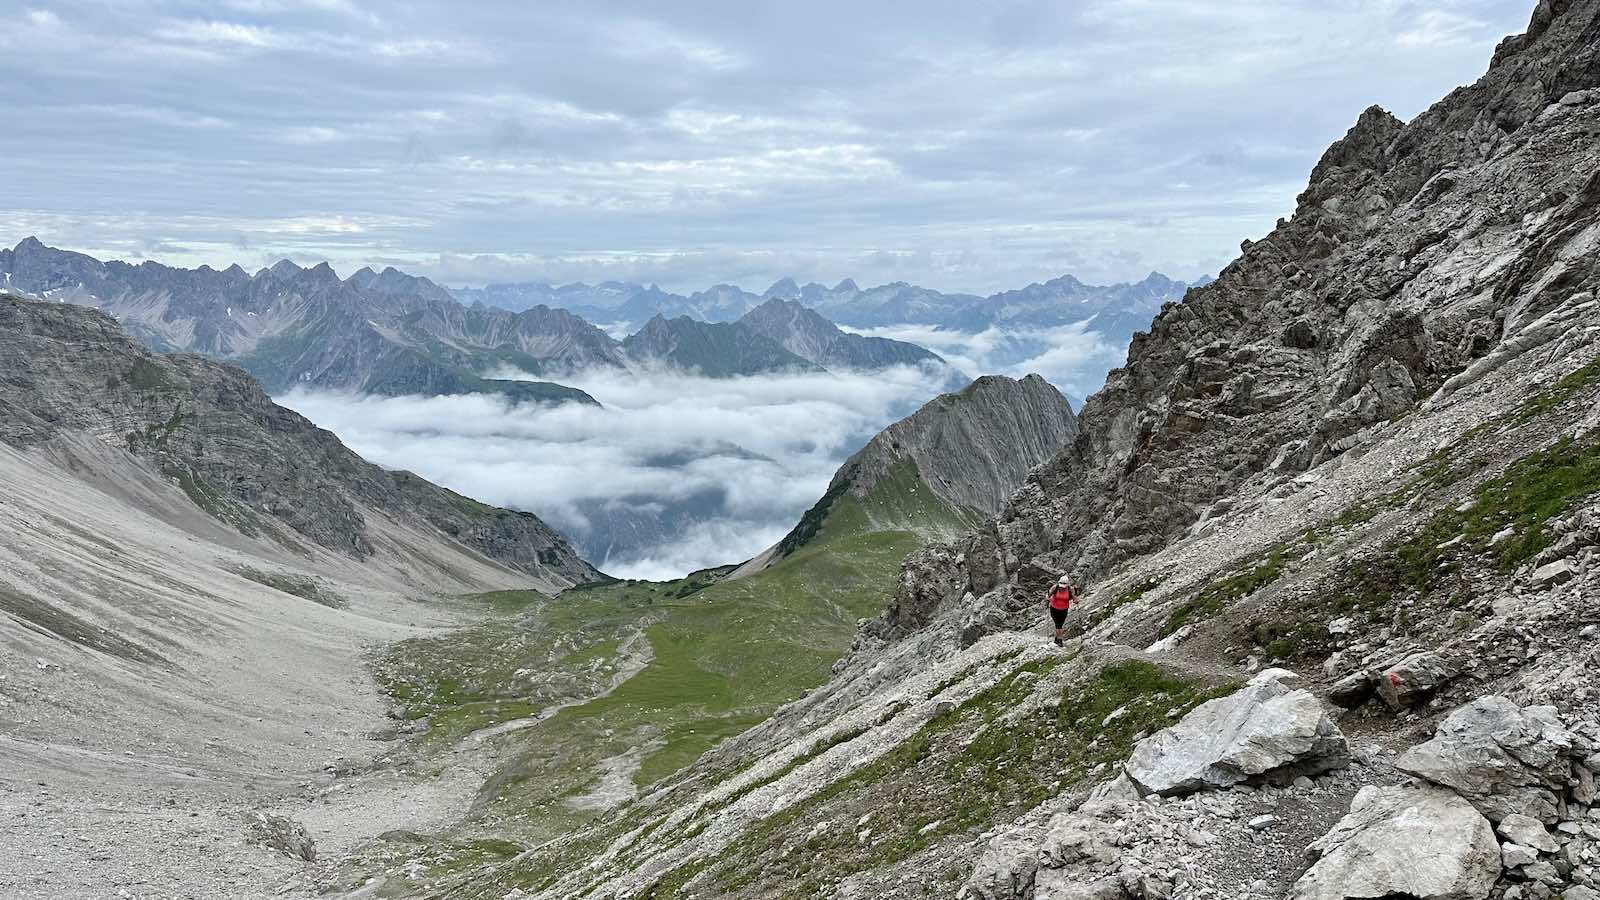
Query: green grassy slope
[723, 655]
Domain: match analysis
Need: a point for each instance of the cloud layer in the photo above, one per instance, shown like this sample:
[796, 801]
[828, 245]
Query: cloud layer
[965, 146]
[728, 463]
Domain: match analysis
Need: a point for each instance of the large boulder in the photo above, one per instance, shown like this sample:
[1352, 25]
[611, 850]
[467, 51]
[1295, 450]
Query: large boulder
[1413, 679]
[1267, 731]
[1005, 870]
[1506, 759]
[283, 835]
[1418, 841]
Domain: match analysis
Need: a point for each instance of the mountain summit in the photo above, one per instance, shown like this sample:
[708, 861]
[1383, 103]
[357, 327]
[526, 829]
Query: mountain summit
[803, 332]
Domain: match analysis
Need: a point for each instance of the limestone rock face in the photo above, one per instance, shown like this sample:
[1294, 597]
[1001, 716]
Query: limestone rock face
[1421, 842]
[1266, 731]
[1505, 759]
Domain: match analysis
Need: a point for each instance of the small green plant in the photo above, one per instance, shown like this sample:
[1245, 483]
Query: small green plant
[1218, 595]
[1133, 594]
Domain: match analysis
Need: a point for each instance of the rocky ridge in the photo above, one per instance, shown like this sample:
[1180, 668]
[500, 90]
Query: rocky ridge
[384, 333]
[1115, 310]
[805, 333]
[394, 334]
[953, 462]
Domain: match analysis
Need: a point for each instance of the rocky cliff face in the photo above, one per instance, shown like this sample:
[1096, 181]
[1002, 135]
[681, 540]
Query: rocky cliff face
[210, 428]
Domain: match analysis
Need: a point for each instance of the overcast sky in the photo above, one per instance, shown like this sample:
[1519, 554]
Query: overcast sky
[962, 145]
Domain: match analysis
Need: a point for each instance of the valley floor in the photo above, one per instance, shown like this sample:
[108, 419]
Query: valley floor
[160, 690]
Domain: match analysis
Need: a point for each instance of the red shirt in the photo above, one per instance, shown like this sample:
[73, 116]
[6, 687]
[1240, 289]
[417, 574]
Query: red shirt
[1061, 598]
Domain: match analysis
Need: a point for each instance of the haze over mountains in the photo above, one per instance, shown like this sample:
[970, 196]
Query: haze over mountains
[1115, 310]
[673, 498]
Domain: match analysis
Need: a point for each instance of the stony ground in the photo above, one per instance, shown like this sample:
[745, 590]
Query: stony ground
[126, 777]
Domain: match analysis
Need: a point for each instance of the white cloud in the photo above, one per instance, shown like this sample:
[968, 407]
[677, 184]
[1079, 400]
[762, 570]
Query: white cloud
[1071, 357]
[212, 32]
[762, 449]
[1440, 28]
[973, 150]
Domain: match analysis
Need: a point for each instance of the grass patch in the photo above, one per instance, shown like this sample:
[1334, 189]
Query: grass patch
[725, 654]
[1282, 640]
[1568, 388]
[146, 375]
[1217, 595]
[1132, 594]
[961, 772]
[1532, 491]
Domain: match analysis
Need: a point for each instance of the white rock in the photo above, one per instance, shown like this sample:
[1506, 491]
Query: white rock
[1504, 758]
[1527, 831]
[1264, 730]
[1422, 842]
[1550, 574]
[1514, 855]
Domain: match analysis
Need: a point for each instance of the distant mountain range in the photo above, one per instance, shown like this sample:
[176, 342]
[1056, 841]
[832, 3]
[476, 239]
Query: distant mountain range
[1115, 310]
[395, 334]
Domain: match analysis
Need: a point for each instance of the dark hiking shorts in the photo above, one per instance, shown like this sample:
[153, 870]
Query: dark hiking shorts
[1059, 616]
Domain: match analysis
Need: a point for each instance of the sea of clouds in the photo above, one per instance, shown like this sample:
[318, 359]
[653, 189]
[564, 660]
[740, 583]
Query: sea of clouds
[676, 472]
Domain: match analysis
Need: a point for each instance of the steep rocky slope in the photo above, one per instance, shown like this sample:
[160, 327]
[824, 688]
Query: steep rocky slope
[947, 467]
[716, 350]
[1367, 453]
[808, 335]
[210, 429]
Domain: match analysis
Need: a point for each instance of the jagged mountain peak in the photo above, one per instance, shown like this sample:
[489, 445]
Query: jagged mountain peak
[783, 287]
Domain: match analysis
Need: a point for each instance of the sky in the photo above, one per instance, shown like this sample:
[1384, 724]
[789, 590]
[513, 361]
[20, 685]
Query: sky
[966, 146]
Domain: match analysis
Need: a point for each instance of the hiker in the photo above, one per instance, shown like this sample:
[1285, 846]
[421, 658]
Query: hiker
[1062, 596]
